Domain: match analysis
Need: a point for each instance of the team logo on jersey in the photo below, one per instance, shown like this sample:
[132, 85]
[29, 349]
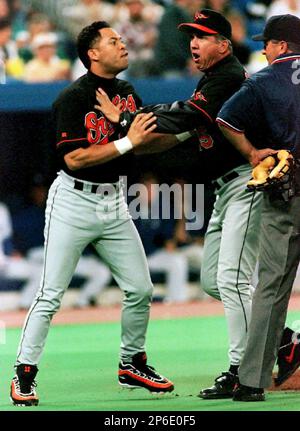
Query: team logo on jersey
[199, 96]
[199, 15]
[100, 129]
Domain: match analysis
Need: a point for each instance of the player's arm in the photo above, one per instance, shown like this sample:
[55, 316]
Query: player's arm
[244, 146]
[154, 142]
[159, 142]
[180, 116]
[238, 114]
[174, 118]
[80, 158]
[174, 122]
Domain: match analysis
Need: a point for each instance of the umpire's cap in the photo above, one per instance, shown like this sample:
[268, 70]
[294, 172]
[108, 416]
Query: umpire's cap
[281, 27]
[208, 22]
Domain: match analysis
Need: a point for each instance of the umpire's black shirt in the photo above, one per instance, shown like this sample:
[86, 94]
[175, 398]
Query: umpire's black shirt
[217, 85]
[79, 124]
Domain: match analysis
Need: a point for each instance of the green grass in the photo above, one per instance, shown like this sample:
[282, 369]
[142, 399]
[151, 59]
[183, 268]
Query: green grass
[78, 370]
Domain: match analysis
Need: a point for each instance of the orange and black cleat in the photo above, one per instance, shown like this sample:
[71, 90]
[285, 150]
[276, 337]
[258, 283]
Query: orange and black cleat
[22, 391]
[137, 374]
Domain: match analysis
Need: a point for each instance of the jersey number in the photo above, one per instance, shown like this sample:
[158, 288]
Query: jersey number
[125, 104]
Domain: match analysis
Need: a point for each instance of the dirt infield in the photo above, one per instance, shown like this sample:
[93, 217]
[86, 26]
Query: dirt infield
[208, 307]
[292, 384]
[14, 319]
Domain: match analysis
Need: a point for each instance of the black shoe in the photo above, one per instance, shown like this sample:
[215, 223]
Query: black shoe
[247, 393]
[22, 390]
[288, 359]
[138, 374]
[223, 387]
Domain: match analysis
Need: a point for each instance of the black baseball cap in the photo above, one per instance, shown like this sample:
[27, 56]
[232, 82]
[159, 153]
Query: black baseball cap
[281, 27]
[207, 22]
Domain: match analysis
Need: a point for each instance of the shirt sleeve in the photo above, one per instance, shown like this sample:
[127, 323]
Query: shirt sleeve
[200, 110]
[68, 115]
[174, 118]
[243, 110]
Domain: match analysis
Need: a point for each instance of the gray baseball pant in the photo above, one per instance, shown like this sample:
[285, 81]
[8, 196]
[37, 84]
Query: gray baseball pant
[230, 254]
[75, 219]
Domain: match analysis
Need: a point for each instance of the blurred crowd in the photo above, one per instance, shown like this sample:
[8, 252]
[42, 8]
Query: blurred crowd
[37, 45]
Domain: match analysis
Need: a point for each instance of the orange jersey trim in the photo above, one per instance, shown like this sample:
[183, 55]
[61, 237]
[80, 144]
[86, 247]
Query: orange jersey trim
[202, 110]
[70, 140]
[20, 398]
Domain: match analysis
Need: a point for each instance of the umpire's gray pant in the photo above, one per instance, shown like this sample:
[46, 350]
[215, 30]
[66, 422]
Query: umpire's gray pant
[278, 262]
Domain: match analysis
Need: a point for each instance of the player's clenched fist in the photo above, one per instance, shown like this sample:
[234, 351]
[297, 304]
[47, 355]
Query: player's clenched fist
[142, 126]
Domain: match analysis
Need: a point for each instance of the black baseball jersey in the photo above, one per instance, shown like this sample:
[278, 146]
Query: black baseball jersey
[248, 111]
[217, 85]
[79, 124]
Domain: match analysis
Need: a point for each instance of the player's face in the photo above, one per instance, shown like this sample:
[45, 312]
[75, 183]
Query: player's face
[108, 54]
[273, 48]
[206, 50]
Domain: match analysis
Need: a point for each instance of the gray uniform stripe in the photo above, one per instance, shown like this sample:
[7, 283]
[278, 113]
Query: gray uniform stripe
[240, 260]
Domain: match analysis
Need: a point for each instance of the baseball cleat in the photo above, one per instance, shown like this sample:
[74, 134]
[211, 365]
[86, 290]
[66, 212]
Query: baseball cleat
[22, 390]
[288, 359]
[137, 374]
[223, 387]
[248, 393]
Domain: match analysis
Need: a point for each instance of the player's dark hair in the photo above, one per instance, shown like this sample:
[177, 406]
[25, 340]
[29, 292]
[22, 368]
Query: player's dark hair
[86, 39]
[294, 47]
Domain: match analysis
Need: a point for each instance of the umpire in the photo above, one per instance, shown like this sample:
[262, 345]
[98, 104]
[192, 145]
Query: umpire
[270, 101]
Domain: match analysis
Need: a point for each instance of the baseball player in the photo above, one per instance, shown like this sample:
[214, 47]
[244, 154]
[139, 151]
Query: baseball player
[270, 99]
[86, 206]
[231, 242]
